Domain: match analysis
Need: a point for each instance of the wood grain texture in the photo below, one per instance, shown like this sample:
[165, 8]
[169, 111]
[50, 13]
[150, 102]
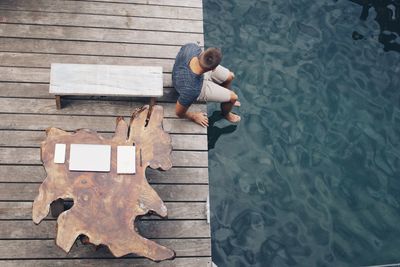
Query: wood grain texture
[185, 3]
[88, 48]
[116, 9]
[45, 60]
[107, 80]
[41, 90]
[70, 123]
[46, 249]
[83, 107]
[42, 75]
[168, 192]
[181, 262]
[99, 35]
[106, 205]
[36, 174]
[33, 139]
[152, 229]
[99, 21]
[176, 211]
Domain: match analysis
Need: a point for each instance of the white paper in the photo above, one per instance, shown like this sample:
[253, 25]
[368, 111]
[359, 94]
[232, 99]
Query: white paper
[126, 159]
[89, 157]
[59, 153]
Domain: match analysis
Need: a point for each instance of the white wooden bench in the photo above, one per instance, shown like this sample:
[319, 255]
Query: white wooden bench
[105, 80]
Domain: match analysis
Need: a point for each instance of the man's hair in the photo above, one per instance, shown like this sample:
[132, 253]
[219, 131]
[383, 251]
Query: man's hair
[210, 58]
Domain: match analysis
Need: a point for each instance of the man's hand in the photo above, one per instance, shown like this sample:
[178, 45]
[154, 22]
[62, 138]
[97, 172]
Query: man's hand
[200, 118]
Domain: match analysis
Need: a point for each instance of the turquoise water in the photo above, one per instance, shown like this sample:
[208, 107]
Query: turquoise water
[311, 176]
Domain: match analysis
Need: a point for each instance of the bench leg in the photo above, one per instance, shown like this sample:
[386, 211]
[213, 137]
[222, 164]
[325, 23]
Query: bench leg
[58, 101]
[153, 101]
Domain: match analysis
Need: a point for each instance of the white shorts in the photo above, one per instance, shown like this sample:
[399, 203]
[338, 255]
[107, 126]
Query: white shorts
[212, 91]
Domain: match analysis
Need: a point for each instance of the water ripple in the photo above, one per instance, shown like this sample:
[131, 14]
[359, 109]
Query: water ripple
[311, 175]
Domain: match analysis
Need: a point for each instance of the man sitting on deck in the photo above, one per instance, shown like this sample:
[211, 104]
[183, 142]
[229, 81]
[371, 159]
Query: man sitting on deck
[188, 79]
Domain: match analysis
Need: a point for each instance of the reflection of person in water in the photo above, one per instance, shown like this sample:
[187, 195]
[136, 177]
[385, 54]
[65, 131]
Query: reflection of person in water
[215, 132]
[388, 19]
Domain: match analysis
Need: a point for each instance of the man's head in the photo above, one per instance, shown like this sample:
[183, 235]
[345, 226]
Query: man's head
[210, 58]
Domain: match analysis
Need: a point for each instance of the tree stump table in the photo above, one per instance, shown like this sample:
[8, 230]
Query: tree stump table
[106, 204]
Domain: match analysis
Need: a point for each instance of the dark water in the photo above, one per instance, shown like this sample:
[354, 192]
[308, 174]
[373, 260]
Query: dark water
[311, 176]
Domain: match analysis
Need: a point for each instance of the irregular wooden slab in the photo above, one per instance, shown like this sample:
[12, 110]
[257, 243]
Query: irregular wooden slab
[176, 211]
[35, 174]
[167, 192]
[106, 204]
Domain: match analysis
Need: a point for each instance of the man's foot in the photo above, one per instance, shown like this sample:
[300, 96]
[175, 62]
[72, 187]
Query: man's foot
[237, 103]
[232, 117]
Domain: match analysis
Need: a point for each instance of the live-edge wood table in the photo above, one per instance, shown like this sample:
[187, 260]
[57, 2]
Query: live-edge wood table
[106, 204]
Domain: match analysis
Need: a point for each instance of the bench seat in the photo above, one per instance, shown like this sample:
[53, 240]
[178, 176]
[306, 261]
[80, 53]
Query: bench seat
[105, 80]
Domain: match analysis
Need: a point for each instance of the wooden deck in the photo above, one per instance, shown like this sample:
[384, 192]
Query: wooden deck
[35, 33]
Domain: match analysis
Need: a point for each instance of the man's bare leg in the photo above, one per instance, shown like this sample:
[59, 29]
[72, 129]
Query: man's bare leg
[227, 84]
[227, 107]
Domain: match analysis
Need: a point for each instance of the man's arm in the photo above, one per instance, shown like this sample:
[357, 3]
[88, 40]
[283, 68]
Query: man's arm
[198, 117]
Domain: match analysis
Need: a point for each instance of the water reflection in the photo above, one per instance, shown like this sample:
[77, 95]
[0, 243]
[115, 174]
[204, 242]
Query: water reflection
[215, 132]
[387, 14]
[310, 176]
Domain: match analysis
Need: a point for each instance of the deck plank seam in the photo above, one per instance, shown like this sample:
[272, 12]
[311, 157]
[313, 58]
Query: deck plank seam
[103, 28]
[98, 41]
[96, 14]
[147, 4]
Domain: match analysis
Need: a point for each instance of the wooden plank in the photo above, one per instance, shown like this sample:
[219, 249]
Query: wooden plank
[185, 3]
[179, 262]
[178, 175]
[99, 35]
[41, 90]
[42, 75]
[174, 228]
[34, 138]
[83, 107]
[71, 123]
[47, 249]
[36, 174]
[45, 60]
[107, 80]
[174, 193]
[20, 90]
[190, 159]
[98, 8]
[99, 21]
[87, 48]
[13, 155]
[176, 211]
[149, 229]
